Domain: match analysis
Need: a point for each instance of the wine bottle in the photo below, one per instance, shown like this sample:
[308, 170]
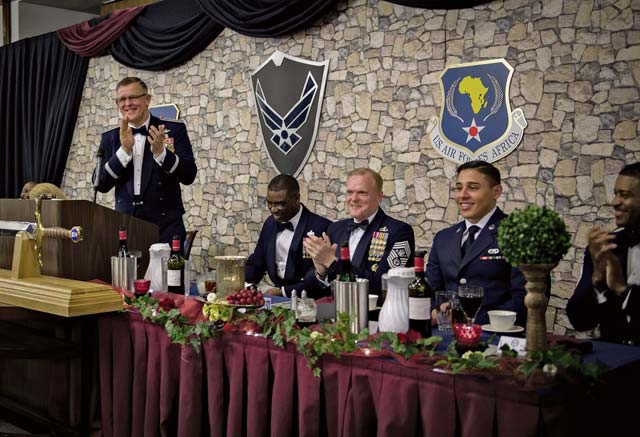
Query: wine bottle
[175, 268]
[123, 251]
[420, 295]
[345, 272]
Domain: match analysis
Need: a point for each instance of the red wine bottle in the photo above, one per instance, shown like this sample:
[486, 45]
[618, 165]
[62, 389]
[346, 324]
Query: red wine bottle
[345, 271]
[123, 251]
[175, 268]
[420, 295]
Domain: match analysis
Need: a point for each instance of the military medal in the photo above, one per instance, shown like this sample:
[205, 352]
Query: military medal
[305, 252]
[374, 268]
[168, 142]
[378, 245]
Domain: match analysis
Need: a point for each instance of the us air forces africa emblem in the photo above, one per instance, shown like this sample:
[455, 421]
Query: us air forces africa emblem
[288, 92]
[476, 121]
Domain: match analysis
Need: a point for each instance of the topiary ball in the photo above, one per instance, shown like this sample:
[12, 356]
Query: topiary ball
[534, 235]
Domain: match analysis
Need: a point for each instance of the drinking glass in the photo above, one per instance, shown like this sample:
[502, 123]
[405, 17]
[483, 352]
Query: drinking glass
[471, 299]
[444, 306]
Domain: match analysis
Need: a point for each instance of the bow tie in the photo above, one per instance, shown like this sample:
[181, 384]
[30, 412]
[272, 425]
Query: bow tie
[283, 226]
[631, 236]
[142, 130]
[351, 226]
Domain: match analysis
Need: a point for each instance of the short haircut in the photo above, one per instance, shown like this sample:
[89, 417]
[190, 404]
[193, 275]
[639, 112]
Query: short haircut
[131, 80]
[284, 182]
[361, 171]
[483, 167]
[632, 170]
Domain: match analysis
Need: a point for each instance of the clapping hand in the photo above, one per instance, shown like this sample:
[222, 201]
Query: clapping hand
[156, 139]
[126, 136]
[607, 269]
[322, 252]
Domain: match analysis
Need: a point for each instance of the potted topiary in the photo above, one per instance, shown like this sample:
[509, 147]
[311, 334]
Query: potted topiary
[534, 239]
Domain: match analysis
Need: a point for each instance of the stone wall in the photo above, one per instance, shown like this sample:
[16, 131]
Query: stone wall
[577, 75]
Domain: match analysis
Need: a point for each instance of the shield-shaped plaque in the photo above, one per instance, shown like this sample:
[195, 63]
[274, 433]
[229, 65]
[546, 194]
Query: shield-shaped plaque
[288, 92]
[476, 121]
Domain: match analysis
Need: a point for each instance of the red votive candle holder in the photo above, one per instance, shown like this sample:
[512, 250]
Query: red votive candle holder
[467, 335]
[141, 286]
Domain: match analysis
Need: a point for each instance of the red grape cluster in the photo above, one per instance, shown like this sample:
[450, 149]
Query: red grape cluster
[246, 297]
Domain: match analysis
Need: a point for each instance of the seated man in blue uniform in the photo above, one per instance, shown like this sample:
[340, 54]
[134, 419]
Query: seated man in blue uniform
[608, 293]
[279, 251]
[377, 242]
[467, 253]
[146, 160]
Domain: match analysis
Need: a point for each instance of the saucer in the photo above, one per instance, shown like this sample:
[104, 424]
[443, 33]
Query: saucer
[513, 330]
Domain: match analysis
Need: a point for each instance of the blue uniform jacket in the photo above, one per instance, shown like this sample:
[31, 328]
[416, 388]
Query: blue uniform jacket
[160, 194]
[263, 259]
[586, 313]
[393, 246]
[482, 266]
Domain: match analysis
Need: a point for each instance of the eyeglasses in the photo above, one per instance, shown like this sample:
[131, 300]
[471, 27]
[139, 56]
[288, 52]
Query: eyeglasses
[122, 100]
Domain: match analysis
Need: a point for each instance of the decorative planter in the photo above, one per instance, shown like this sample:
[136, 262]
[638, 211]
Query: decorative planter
[536, 302]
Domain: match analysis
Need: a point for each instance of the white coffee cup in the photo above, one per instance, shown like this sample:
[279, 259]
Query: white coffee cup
[502, 320]
[373, 301]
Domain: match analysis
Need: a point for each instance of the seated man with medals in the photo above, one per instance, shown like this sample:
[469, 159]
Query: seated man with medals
[377, 242]
[279, 251]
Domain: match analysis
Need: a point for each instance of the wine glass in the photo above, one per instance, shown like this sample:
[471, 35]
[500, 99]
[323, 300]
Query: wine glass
[470, 298]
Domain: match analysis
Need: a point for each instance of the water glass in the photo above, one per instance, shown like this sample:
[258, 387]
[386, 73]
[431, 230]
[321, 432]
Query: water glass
[445, 301]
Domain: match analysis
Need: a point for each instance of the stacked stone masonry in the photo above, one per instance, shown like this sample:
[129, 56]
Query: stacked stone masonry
[577, 79]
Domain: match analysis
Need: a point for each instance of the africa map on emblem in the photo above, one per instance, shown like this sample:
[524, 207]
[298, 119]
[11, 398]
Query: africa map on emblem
[476, 120]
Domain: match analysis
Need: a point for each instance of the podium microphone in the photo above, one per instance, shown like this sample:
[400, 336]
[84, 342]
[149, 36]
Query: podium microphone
[97, 173]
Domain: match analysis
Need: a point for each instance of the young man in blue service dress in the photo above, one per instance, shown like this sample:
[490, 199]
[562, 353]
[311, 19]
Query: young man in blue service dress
[608, 293]
[377, 242]
[146, 160]
[279, 251]
[467, 253]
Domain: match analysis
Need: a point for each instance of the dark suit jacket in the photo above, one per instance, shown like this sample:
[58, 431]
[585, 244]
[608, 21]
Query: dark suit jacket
[482, 266]
[398, 252]
[160, 187]
[586, 313]
[263, 259]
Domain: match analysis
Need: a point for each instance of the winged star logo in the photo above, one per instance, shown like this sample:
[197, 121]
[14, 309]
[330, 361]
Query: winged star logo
[288, 93]
[285, 128]
[476, 121]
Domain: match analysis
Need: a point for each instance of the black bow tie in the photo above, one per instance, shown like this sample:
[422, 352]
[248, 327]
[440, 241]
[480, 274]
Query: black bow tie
[630, 236]
[283, 226]
[351, 226]
[142, 130]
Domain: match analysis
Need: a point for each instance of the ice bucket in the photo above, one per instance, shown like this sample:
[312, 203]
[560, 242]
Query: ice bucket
[353, 298]
[123, 272]
[230, 274]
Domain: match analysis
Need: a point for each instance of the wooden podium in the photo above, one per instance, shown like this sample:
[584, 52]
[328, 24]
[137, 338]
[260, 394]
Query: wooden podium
[59, 290]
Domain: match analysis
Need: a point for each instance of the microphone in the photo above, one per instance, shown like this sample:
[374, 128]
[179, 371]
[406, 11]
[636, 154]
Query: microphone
[97, 173]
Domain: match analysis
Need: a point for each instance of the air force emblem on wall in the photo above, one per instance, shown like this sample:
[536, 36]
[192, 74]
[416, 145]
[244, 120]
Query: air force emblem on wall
[288, 93]
[476, 121]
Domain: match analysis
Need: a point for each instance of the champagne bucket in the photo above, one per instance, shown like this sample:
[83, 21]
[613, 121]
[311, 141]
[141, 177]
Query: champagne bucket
[230, 274]
[123, 272]
[353, 298]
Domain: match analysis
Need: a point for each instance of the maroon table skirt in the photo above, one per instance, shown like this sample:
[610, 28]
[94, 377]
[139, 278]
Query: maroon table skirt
[241, 385]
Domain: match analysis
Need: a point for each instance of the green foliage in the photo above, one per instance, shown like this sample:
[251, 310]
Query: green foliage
[474, 361]
[561, 357]
[535, 235]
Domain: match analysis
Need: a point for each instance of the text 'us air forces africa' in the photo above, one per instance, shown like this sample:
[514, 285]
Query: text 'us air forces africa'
[476, 121]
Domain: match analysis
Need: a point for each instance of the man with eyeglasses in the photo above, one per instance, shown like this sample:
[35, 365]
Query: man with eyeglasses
[146, 159]
[279, 251]
[377, 242]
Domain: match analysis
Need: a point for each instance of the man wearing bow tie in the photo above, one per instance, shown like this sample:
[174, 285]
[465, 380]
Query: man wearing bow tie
[146, 160]
[377, 242]
[468, 254]
[279, 251]
[608, 293]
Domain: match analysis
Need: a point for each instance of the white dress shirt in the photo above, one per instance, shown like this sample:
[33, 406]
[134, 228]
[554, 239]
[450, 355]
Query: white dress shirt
[283, 243]
[481, 224]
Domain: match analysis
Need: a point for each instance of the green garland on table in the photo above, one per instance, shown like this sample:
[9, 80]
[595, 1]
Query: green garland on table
[177, 326]
[279, 325]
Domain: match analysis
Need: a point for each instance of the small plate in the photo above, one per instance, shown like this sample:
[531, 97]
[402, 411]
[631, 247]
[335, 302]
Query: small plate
[513, 330]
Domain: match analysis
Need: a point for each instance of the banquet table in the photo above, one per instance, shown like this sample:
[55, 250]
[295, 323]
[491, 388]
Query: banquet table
[244, 385]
